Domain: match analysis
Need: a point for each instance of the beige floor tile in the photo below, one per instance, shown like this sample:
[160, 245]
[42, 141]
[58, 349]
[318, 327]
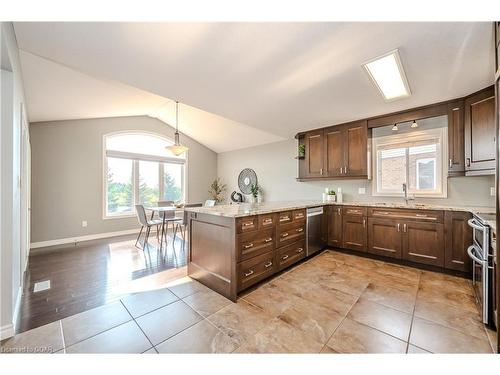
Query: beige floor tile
[89, 323]
[167, 321]
[344, 283]
[492, 336]
[271, 299]
[203, 337]
[353, 337]
[393, 322]
[437, 338]
[390, 297]
[279, 337]
[186, 286]
[141, 303]
[44, 339]
[327, 350]
[313, 319]
[126, 338]
[206, 302]
[453, 298]
[447, 282]
[412, 349]
[240, 320]
[465, 321]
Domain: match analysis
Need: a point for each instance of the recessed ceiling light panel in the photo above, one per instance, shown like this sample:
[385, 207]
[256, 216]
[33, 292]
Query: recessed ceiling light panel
[388, 75]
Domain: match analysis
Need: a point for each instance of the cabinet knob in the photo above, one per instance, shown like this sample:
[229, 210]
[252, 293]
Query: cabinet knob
[450, 164]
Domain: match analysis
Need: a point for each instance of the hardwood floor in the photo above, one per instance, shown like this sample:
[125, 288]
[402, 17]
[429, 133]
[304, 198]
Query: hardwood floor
[94, 273]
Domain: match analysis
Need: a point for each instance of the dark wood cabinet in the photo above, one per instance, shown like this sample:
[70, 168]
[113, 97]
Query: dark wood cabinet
[314, 157]
[335, 226]
[423, 242]
[458, 236]
[480, 136]
[456, 137]
[354, 230]
[339, 151]
[385, 237]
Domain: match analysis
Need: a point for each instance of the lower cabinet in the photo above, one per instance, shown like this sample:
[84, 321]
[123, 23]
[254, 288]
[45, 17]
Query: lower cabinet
[335, 226]
[290, 254]
[423, 243]
[354, 232]
[458, 237]
[255, 269]
[384, 237]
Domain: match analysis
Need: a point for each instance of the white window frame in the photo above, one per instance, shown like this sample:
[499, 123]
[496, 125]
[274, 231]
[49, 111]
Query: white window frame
[415, 136]
[419, 162]
[135, 170]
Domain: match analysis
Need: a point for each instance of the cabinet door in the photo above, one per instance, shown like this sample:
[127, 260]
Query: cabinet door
[334, 147]
[314, 165]
[456, 136]
[480, 131]
[423, 243]
[354, 233]
[355, 149]
[335, 226]
[458, 237]
[384, 237]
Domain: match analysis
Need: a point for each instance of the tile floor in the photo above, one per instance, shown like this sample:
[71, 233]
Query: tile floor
[333, 303]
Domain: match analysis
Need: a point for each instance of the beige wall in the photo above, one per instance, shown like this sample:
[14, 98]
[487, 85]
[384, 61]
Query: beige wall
[276, 170]
[67, 174]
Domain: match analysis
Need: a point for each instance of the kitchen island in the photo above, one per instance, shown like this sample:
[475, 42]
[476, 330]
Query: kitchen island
[232, 247]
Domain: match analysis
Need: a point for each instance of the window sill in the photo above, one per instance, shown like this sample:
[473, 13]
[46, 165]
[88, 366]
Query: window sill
[127, 216]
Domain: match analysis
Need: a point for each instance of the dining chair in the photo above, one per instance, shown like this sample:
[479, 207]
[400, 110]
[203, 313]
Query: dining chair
[145, 223]
[182, 227]
[209, 203]
[169, 217]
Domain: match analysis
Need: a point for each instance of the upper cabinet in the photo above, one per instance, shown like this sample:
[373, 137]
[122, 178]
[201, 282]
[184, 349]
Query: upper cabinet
[456, 137]
[336, 152]
[480, 137]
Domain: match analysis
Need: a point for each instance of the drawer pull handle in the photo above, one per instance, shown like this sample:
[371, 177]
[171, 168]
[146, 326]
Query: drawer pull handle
[268, 264]
[284, 234]
[248, 246]
[248, 224]
[285, 257]
[268, 239]
[300, 230]
[248, 273]
[299, 216]
[399, 227]
[420, 215]
[268, 221]
[383, 213]
[284, 218]
[299, 250]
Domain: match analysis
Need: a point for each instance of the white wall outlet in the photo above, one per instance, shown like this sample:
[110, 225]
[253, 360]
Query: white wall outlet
[492, 191]
[361, 191]
[84, 223]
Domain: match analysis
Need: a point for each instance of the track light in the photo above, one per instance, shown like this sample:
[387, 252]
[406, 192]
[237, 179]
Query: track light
[395, 128]
[414, 125]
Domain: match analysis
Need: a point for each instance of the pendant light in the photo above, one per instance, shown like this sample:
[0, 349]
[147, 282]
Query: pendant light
[177, 148]
[395, 128]
[414, 125]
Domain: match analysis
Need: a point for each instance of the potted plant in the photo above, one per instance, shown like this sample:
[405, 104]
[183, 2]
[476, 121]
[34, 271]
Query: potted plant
[331, 197]
[255, 193]
[217, 188]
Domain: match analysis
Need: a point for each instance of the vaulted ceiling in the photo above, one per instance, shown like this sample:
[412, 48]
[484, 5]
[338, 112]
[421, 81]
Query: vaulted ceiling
[243, 84]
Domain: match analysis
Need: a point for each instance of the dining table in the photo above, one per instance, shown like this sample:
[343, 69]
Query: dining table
[160, 210]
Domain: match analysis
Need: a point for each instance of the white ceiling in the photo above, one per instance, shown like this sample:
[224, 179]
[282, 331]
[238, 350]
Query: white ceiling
[279, 78]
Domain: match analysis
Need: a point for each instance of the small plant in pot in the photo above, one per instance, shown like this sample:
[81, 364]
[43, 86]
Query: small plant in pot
[255, 191]
[217, 188]
[331, 197]
[302, 151]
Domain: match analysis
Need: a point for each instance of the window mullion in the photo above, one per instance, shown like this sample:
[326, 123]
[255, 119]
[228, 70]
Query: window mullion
[136, 182]
[407, 169]
[160, 181]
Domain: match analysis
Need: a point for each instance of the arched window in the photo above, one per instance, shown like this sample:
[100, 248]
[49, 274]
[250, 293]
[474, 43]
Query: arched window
[139, 170]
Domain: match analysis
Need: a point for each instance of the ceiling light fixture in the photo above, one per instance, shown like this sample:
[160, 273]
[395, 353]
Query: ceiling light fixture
[388, 75]
[414, 125]
[177, 148]
[395, 128]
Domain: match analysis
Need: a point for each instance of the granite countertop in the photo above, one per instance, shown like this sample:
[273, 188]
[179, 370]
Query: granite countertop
[249, 209]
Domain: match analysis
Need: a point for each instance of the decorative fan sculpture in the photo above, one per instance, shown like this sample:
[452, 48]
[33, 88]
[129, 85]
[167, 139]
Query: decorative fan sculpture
[246, 179]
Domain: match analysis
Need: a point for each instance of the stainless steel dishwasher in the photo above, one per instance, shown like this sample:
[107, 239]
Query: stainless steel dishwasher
[314, 231]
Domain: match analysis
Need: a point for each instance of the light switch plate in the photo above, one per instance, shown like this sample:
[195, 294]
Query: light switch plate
[361, 191]
[84, 223]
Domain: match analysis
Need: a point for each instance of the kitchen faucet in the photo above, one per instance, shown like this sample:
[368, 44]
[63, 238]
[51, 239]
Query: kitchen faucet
[405, 191]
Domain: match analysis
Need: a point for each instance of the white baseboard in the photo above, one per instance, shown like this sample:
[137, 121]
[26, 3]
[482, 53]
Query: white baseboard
[17, 307]
[6, 331]
[98, 236]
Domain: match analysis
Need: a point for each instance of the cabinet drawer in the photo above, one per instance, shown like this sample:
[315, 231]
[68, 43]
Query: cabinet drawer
[267, 221]
[290, 254]
[256, 269]
[285, 217]
[246, 224]
[421, 215]
[299, 215]
[289, 233]
[354, 211]
[254, 243]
